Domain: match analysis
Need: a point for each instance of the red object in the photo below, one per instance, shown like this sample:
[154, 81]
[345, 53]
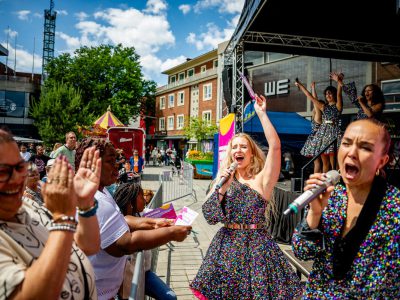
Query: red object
[127, 139]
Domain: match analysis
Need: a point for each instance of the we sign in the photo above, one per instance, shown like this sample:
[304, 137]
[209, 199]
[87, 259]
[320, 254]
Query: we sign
[279, 87]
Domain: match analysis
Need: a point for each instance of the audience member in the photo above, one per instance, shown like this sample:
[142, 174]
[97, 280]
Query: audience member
[32, 189]
[130, 199]
[352, 231]
[136, 162]
[120, 236]
[68, 149]
[55, 147]
[40, 160]
[24, 152]
[38, 257]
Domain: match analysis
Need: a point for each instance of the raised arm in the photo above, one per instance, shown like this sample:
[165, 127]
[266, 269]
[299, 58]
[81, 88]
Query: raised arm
[338, 77]
[272, 166]
[45, 277]
[317, 103]
[86, 183]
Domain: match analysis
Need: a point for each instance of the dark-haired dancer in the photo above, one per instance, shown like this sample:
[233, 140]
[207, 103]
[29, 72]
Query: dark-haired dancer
[130, 199]
[329, 129]
[370, 103]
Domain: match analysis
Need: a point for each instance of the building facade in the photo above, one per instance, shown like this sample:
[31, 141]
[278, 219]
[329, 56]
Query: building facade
[191, 92]
[17, 91]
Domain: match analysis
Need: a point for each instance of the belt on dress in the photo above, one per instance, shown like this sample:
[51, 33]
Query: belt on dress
[328, 122]
[245, 226]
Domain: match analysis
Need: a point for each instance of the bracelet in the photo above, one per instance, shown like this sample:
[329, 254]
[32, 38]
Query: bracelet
[65, 218]
[89, 212]
[62, 227]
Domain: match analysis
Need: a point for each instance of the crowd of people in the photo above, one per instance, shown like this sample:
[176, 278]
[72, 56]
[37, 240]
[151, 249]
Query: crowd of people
[65, 234]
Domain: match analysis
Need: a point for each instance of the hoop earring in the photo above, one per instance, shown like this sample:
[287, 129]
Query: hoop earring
[378, 172]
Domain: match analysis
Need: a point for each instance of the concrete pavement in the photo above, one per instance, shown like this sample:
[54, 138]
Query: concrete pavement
[178, 262]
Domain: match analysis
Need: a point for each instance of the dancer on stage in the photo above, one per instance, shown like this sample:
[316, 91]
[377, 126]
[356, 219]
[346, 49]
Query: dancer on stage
[352, 231]
[243, 261]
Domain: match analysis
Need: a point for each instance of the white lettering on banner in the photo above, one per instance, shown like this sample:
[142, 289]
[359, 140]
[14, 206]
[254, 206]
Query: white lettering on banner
[279, 87]
[121, 140]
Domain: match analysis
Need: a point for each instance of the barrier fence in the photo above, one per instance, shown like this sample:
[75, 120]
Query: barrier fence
[174, 184]
[177, 183]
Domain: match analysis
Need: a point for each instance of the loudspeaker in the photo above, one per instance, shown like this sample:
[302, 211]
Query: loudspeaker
[296, 185]
[227, 85]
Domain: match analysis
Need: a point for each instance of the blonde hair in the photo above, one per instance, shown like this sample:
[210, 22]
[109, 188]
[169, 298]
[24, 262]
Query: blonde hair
[258, 161]
[255, 167]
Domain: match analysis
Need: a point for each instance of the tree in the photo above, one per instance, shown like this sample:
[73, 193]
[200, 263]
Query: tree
[199, 129]
[60, 109]
[105, 75]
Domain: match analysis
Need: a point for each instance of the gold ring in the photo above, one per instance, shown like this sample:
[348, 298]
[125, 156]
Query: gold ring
[93, 169]
[49, 181]
[56, 180]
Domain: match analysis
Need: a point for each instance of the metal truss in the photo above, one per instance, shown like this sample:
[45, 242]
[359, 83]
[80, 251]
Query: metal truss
[49, 33]
[343, 46]
[237, 86]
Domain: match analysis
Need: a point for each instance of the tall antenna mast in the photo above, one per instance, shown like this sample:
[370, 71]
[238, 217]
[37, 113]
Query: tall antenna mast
[48, 37]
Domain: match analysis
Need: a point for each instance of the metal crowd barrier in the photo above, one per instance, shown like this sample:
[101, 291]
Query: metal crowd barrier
[174, 184]
[177, 183]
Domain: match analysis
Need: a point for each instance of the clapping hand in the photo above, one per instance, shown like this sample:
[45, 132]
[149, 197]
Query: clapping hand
[87, 178]
[58, 190]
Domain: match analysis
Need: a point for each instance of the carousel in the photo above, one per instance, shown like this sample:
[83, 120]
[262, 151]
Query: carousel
[100, 126]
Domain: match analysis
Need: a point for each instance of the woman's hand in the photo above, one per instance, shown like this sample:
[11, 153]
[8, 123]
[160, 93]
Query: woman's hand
[228, 174]
[318, 205]
[180, 232]
[87, 178]
[162, 222]
[58, 191]
[260, 105]
[362, 100]
[336, 76]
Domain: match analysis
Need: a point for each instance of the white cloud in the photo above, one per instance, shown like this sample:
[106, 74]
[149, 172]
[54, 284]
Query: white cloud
[81, 16]
[37, 15]
[62, 12]
[155, 6]
[224, 6]
[213, 36]
[185, 8]
[146, 32]
[25, 60]
[10, 33]
[23, 14]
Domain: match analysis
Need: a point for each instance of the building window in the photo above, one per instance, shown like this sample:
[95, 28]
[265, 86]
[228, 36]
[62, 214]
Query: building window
[203, 69]
[171, 123]
[162, 102]
[172, 79]
[171, 100]
[181, 76]
[190, 72]
[207, 116]
[215, 64]
[207, 91]
[181, 98]
[161, 124]
[391, 90]
[180, 121]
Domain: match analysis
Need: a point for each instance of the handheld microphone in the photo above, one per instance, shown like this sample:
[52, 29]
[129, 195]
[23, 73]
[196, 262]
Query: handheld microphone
[221, 182]
[332, 177]
[297, 81]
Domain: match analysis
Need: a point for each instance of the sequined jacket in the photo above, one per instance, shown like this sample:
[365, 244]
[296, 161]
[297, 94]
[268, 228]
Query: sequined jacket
[375, 271]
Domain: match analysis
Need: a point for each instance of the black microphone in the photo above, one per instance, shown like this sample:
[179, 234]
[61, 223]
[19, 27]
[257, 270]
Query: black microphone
[332, 177]
[221, 182]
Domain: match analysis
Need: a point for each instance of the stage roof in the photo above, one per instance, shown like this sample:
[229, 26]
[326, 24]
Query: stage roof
[346, 29]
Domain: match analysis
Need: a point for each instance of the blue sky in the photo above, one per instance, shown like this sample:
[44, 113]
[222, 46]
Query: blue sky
[164, 33]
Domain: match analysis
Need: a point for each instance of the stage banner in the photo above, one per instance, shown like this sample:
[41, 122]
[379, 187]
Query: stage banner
[226, 132]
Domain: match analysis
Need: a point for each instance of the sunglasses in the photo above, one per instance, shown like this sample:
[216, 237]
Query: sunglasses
[6, 170]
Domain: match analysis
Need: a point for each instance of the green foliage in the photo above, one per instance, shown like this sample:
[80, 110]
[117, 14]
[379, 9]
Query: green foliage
[105, 75]
[59, 110]
[199, 155]
[199, 129]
